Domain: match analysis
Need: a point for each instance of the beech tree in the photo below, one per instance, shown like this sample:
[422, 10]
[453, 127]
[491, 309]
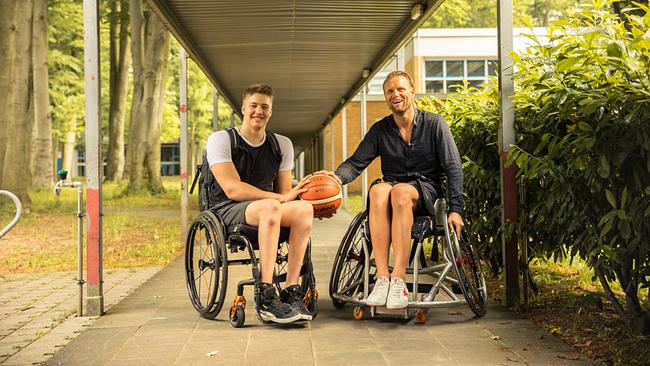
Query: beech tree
[150, 52]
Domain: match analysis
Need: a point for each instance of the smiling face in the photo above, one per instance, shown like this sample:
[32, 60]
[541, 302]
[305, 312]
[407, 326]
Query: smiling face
[257, 110]
[399, 94]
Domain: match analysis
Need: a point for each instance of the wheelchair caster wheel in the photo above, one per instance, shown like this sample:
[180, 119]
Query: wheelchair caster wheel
[237, 320]
[421, 316]
[311, 302]
[237, 315]
[358, 312]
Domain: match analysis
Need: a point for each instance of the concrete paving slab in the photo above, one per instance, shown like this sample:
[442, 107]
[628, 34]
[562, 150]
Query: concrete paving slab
[156, 325]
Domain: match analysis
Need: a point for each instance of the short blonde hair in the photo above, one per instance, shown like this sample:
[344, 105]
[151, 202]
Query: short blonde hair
[398, 73]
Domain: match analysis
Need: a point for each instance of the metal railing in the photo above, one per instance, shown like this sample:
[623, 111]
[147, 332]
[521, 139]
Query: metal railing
[19, 212]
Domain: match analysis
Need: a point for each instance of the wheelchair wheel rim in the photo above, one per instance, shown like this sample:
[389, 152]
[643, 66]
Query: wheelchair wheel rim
[347, 275]
[206, 266]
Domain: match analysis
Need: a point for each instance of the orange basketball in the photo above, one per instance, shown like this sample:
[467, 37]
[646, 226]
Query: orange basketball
[324, 193]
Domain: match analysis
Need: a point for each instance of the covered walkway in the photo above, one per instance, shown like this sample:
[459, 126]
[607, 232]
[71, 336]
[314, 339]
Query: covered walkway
[157, 325]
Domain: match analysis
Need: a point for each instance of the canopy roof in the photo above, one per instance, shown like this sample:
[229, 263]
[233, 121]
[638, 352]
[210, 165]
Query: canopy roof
[313, 53]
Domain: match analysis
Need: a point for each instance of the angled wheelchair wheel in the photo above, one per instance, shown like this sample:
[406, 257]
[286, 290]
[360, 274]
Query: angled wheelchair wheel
[347, 272]
[467, 266]
[206, 264]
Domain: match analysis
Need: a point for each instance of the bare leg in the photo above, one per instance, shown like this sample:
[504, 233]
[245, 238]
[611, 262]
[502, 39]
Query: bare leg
[266, 215]
[380, 227]
[404, 199]
[299, 216]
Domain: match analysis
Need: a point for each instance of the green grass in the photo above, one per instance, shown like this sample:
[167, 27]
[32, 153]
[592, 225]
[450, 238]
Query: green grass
[45, 238]
[355, 203]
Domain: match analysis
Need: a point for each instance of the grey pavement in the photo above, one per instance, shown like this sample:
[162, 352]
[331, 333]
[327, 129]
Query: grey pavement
[37, 311]
[156, 325]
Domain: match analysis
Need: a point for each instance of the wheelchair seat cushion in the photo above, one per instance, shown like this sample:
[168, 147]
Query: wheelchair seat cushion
[251, 232]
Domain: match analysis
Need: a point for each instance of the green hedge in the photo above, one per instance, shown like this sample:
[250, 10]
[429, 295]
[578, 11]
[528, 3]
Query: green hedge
[583, 147]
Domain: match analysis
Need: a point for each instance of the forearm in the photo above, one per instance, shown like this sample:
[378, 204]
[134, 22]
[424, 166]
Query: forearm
[455, 181]
[241, 191]
[348, 171]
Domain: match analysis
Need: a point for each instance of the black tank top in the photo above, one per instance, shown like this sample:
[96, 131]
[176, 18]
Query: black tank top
[257, 166]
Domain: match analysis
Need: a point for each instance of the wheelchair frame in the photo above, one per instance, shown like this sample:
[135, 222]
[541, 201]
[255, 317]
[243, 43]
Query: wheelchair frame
[457, 256]
[218, 243]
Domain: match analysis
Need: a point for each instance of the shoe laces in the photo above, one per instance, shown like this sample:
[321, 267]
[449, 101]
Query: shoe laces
[398, 287]
[382, 281]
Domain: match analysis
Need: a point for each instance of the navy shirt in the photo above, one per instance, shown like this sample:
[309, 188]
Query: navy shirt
[431, 155]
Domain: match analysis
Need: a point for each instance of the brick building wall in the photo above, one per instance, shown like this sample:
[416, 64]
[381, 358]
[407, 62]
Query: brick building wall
[375, 110]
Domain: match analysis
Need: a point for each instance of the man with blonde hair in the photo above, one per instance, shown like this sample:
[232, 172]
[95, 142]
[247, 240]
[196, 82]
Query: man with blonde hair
[418, 157]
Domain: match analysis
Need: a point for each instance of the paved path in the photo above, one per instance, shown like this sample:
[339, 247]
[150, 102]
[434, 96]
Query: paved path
[156, 325]
[37, 311]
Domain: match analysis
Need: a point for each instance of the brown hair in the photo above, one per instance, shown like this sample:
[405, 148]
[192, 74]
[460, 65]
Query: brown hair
[258, 89]
[396, 73]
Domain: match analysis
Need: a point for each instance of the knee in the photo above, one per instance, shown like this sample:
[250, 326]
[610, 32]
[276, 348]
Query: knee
[379, 195]
[270, 212]
[305, 215]
[400, 198]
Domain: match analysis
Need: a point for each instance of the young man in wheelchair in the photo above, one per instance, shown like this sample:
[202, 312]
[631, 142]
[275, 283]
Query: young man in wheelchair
[254, 188]
[418, 154]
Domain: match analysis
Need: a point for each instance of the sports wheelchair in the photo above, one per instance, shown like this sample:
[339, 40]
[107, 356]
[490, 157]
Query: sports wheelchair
[207, 246]
[458, 272]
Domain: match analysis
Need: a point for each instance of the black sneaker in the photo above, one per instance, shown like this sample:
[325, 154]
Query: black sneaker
[293, 296]
[272, 309]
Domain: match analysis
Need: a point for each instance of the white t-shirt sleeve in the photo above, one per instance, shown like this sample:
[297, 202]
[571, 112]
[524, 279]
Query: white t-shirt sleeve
[218, 148]
[286, 147]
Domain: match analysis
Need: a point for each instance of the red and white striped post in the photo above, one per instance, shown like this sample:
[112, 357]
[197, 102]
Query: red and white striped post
[507, 138]
[94, 162]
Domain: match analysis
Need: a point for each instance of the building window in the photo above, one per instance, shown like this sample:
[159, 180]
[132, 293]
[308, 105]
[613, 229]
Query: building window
[440, 76]
[170, 159]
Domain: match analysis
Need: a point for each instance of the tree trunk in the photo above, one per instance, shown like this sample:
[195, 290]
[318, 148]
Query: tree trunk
[7, 49]
[15, 170]
[120, 58]
[150, 46]
[42, 169]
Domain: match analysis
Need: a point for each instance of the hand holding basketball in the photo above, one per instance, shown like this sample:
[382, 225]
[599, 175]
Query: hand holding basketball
[324, 193]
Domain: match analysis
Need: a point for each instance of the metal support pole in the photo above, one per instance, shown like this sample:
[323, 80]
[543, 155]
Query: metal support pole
[332, 153]
[524, 238]
[323, 149]
[215, 109]
[301, 165]
[232, 119]
[80, 248]
[364, 175]
[184, 139]
[92, 78]
[344, 152]
[507, 138]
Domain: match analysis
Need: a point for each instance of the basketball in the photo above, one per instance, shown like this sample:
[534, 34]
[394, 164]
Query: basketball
[324, 193]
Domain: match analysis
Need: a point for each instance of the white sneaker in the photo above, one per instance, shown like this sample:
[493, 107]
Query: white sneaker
[379, 293]
[398, 296]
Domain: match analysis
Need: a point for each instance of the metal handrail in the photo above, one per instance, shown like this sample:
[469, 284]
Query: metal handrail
[19, 212]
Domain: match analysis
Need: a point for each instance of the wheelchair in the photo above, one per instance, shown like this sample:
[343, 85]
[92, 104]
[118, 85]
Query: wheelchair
[457, 274]
[207, 247]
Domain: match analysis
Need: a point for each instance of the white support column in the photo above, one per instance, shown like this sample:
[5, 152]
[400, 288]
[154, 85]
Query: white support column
[506, 138]
[301, 165]
[94, 161]
[364, 175]
[344, 152]
[215, 109]
[323, 149]
[332, 152]
[184, 140]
